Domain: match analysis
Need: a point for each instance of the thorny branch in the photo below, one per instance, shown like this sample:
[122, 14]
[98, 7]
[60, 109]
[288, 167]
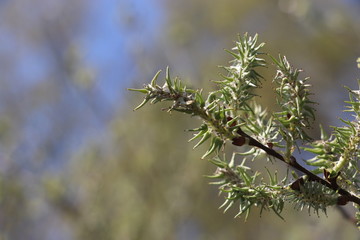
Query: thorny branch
[230, 113]
[329, 182]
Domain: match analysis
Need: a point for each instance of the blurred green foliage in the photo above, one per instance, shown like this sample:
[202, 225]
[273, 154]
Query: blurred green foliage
[128, 178]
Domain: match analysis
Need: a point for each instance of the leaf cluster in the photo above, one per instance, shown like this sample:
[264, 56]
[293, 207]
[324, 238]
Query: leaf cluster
[339, 153]
[243, 186]
[231, 114]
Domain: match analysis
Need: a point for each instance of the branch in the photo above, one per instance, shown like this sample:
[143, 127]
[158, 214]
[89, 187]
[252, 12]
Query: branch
[330, 182]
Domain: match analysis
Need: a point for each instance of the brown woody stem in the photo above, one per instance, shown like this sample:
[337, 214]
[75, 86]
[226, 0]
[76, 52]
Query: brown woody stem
[345, 195]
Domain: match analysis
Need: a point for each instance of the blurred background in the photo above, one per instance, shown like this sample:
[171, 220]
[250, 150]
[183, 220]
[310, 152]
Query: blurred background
[77, 163]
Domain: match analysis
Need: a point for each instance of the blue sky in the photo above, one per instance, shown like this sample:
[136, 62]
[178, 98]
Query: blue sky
[105, 38]
[109, 39]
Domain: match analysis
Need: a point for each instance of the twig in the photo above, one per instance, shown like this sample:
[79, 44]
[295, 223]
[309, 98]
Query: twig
[329, 182]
